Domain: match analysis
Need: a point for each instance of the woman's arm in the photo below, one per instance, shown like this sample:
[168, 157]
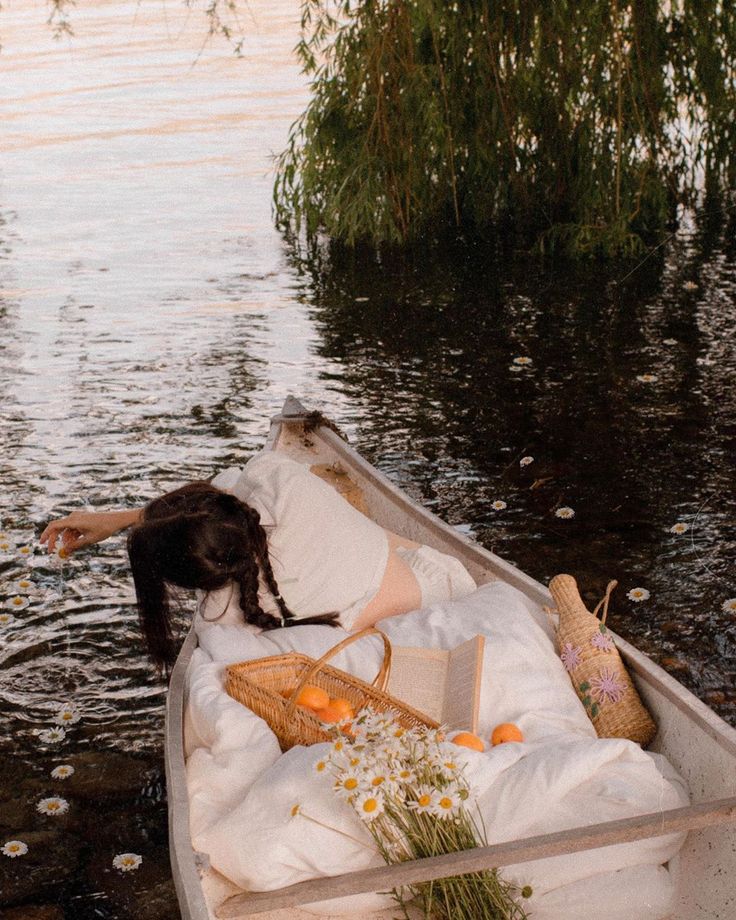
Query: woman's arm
[82, 528]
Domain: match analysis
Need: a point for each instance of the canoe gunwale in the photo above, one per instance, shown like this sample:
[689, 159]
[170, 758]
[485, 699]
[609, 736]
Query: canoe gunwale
[575, 840]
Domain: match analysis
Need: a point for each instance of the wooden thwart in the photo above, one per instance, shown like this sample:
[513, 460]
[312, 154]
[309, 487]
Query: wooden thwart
[384, 878]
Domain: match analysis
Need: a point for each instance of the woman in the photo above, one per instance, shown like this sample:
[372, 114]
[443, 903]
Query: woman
[273, 542]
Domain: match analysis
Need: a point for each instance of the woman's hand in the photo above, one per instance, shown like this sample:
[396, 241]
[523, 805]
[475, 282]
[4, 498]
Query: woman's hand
[83, 528]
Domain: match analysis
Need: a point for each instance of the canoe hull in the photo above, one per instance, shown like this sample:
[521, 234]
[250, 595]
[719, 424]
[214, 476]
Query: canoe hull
[701, 746]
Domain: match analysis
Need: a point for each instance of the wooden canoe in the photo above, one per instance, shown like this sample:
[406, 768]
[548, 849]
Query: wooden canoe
[700, 745]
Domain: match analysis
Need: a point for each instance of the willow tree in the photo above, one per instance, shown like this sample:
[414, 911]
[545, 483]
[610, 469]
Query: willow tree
[583, 123]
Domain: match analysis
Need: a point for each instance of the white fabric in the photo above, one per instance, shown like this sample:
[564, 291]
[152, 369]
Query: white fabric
[242, 790]
[326, 556]
[440, 577]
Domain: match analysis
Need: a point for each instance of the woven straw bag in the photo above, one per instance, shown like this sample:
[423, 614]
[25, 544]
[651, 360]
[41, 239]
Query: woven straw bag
[259, 685]
[595, 667]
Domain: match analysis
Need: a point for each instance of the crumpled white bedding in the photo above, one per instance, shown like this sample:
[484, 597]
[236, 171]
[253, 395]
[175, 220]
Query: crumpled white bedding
[242, 789]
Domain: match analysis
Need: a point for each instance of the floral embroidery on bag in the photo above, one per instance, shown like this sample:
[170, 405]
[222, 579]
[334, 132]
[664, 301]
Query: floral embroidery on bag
[570, 656]
[602, 641]
[607, 687]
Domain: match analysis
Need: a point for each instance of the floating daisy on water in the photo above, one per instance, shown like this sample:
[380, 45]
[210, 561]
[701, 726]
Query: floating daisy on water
[525, 461]
[570, 656]
[15, 848]
[51, 735]
[670, 342]
[498, 505]
[63, 771]
[690, 286]
[647, 378]
[369, 805]
[127, 862]
[565, 513]
[680, 527]
[638, 594]
[607, 686]
[523, 361]
[53, 806]
[6, 619]
[16, 603]
[67, 715]
[729, 605]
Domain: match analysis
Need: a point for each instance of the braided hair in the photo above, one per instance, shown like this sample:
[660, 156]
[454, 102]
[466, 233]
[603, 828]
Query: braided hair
[201, 537]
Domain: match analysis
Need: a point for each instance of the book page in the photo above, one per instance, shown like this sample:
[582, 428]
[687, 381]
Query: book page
[418, 677]
[461, 705]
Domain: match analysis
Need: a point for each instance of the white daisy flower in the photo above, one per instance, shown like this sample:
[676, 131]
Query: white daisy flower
[565, 512]
[498, 505]
[349, 784]
[729, 605]
[369, 805]
[13, 848]
[522, 362]
[25, 551]
[127, 862]
[53, 806]
[67, 715]
[405, 776]
[51, 735]
[6, 546]
[670, 342]
[680, 527]
[6, 619]
[638, 594]
[525, 461]
[516, 369]
[321, 766]
[25, 586]
[690, 286]
[63, 771]
[447, 804]
[647, 378]
[16, 603]
[426, 797]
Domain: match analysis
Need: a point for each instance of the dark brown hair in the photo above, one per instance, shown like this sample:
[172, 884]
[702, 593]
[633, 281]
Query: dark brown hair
[201, 537]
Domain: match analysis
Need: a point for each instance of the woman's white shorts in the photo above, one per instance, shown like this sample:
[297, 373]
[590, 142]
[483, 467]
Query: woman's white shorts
[440, 577]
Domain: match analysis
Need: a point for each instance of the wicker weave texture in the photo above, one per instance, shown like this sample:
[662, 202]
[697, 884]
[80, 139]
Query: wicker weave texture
[259, 685]
[597, 672]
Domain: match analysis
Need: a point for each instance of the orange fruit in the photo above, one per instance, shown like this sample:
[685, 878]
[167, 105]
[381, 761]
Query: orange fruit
[344, 706]
[312, 697]
[504, 732]
[469, 740]
[329, 714]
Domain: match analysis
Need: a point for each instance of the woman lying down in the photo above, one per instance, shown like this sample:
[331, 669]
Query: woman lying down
[285, 546]
[274, 545]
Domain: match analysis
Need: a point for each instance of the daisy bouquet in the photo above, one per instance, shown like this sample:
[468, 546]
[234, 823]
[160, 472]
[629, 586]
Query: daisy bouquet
[408, 788]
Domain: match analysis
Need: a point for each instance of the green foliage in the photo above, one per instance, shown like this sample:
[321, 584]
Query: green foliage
[580, 125]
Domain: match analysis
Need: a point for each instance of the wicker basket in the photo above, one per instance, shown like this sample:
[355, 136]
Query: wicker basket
[259, 684]
[597, 672]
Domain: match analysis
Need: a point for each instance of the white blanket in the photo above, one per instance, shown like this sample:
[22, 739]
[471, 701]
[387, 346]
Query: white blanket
[243, 791]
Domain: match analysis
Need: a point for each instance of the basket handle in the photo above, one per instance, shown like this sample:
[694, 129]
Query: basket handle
[380, 681]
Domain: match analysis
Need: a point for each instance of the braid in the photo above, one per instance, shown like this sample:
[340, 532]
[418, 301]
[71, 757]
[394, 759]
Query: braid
[249, 569]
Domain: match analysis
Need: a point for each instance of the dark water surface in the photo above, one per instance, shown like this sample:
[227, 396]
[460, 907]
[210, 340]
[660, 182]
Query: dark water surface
[152, 321]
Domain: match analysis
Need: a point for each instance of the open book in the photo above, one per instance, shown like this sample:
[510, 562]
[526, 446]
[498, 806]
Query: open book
[443, 685]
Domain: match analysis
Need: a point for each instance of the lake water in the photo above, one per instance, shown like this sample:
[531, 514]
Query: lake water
[153, 320]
